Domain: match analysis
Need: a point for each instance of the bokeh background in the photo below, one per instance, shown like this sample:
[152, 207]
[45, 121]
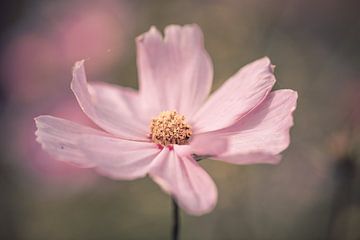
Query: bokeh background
[313, 194]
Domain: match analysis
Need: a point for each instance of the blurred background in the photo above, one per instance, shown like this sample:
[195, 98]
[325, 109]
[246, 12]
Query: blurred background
[313, 194]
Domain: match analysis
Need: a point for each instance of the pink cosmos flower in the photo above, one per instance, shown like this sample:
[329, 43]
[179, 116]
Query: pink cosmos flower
[161, 130]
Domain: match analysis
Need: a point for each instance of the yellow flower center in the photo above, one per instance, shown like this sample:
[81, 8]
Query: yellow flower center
[170, 128]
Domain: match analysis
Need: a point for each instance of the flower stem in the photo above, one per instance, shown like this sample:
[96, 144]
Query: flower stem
[176, 220]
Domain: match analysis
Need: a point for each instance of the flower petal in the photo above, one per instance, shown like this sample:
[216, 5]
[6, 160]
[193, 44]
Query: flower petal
[186, 181]
[204, 145]
[175, 72]
[114, 157]
[236, 97]
[118, 158]
[59, 138]
[262, 134]
[114, 109]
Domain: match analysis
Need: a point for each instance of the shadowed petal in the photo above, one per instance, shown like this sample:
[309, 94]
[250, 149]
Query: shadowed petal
[186, 181]
[175, 73]
[262, 134]
[114, 109]
[236, 97]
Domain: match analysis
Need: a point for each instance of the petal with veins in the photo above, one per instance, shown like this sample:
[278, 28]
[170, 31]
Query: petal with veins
[118, 158]
[236, 97]
[186, 181]
[111, 108]
[262, 134]
[175, 73]
[59, 137]
[114, 157]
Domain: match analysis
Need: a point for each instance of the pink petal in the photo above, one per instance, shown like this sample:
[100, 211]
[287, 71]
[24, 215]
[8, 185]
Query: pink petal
[118, 158]
[185, 180]
[114, 157]
[236, 97]
[114, 109]
[262, 134]
[59, 138]
[204, 145]
[175, 72]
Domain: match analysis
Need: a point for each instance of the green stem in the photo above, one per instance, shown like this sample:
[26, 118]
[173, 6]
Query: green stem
[176, 220]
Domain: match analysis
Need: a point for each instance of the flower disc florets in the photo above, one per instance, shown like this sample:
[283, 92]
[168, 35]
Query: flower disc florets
[170, 128]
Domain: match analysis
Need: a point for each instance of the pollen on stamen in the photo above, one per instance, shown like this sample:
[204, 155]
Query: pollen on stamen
[170, 128]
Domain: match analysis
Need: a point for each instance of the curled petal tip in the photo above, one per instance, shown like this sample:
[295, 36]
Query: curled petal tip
[153, 31]
[78, 64]
[153, 28]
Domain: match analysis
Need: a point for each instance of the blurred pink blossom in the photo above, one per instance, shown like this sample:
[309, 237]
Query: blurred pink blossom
[37, 61]
[92, 33]
[37, 65]
[32, 68]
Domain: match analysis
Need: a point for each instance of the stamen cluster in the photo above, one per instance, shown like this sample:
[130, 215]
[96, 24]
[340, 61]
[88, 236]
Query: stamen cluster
[170, 128]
